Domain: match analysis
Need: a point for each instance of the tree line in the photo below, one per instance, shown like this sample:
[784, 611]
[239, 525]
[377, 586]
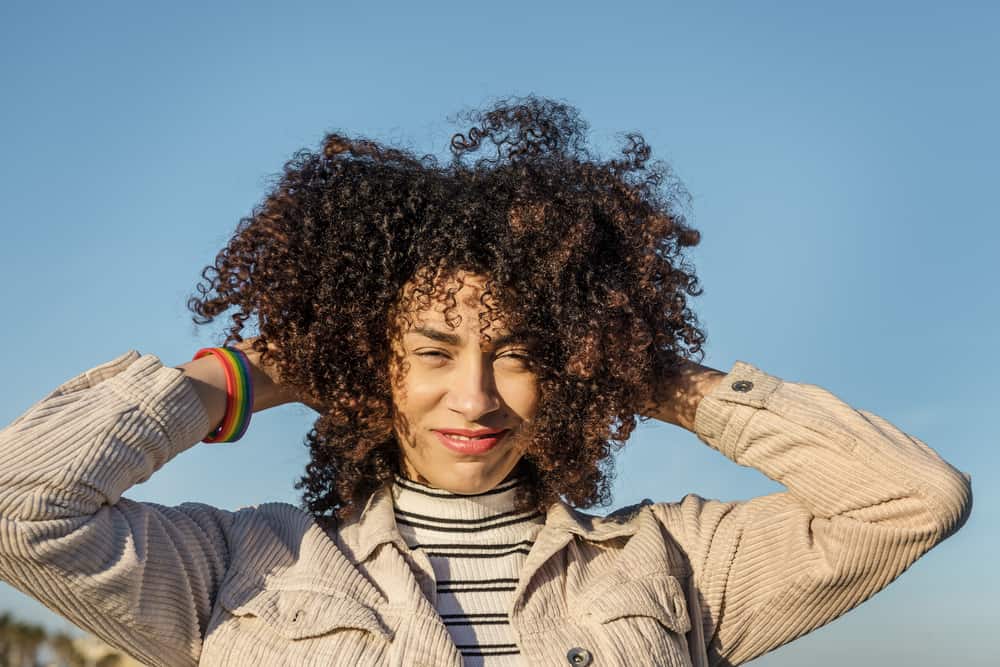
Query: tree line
[25, 644]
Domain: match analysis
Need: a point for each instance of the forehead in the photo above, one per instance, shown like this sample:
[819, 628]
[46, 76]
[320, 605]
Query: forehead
[455, 303]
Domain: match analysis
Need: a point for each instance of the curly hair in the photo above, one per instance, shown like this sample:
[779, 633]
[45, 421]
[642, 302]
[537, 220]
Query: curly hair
[584, 253]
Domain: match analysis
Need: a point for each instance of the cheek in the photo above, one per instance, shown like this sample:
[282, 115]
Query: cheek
[417, 395]
[521, 394]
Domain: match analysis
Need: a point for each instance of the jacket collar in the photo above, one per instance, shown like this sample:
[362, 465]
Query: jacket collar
[376, 525]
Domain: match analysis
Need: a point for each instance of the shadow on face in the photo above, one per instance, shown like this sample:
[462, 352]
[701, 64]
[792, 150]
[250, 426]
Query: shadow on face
[453, 372]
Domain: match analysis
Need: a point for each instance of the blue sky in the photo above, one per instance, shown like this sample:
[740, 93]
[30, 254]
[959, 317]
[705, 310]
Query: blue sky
[840, 162]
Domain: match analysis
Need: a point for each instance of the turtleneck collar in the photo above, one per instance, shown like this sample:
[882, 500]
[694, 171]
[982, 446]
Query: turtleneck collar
[410, 496]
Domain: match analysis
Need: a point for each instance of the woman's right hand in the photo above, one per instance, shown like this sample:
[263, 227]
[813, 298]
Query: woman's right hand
[269, 391]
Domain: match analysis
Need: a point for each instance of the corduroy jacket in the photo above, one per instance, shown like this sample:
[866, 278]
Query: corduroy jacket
[695, 582]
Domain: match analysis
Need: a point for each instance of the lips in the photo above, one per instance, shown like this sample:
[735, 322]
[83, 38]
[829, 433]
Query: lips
[473, 445]
[471, 433]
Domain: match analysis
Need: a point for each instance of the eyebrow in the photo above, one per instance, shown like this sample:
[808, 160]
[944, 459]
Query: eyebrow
[455, 339]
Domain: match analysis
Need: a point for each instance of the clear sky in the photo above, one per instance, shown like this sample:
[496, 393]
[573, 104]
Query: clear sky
[840, 162]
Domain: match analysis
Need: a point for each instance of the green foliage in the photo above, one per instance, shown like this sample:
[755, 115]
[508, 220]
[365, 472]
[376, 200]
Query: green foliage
[20, 642]
[22, 645]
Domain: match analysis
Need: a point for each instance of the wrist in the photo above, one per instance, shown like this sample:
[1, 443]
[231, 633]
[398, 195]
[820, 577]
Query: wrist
[269, 390]
[676, 399]
[239, 392]
[267, 393]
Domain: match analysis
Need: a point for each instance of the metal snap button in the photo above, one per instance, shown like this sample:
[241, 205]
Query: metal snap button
[579, 657]
[742, 386]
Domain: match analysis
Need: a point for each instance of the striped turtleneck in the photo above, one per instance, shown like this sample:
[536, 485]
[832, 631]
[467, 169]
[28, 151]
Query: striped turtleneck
[476, 545]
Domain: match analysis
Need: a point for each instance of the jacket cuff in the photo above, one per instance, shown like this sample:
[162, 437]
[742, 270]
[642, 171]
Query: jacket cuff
[162, 393]
[725, 411]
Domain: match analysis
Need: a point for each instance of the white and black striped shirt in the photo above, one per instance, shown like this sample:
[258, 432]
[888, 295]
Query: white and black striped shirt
[476, 545]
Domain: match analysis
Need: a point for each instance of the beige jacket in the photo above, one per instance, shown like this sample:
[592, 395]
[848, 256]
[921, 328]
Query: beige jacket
[694, 582]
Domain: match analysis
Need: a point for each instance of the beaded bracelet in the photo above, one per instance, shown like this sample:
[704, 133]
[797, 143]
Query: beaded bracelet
[239, 393]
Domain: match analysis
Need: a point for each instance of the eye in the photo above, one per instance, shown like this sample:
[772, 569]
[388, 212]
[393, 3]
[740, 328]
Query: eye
[522, 358]
[432, 353]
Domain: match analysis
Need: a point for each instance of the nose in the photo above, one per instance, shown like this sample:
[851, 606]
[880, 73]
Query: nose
[473, 392]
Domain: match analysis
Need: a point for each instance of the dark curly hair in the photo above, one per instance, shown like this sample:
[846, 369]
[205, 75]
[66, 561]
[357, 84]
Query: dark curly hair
[584, 254]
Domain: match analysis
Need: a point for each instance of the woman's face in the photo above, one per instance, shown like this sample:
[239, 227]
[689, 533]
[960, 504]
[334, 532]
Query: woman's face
[454, 383]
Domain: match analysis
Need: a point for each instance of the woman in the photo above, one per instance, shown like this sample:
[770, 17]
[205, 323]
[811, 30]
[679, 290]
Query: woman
[477, 338]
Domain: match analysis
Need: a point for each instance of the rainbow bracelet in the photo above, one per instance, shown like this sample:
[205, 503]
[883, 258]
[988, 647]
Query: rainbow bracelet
[239, 393]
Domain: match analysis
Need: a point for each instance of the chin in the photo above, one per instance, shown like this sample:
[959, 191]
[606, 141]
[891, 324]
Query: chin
[467, 486]
[464, 484]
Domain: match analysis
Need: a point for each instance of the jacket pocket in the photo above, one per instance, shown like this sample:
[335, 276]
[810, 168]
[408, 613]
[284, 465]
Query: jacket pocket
[636, 621]
[658, 596]
[297, 613]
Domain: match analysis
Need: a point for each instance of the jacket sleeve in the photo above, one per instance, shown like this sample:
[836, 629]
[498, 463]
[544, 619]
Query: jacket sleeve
[864, 500]
[141, 576]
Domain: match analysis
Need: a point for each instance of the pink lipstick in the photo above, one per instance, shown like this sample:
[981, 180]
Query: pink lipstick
[472, 444]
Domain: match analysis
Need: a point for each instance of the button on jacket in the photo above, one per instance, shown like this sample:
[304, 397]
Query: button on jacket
[694, 582]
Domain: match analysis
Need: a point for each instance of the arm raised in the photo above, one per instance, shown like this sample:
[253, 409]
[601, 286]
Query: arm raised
[864, 500]
[141, 576]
